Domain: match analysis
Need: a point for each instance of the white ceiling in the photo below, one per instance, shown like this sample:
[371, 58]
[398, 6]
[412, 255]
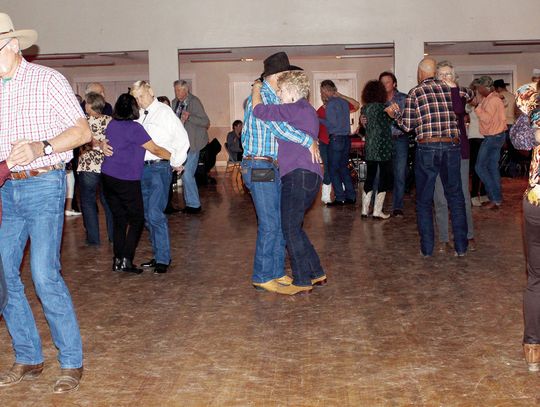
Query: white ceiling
[294, 52]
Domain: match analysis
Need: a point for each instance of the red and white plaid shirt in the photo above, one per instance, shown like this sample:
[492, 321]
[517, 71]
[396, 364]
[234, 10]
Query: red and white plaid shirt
[36, 104]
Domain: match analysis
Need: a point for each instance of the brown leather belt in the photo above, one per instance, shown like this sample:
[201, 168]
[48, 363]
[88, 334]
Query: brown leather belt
[435, 139]
[260, 157]
[37, 171]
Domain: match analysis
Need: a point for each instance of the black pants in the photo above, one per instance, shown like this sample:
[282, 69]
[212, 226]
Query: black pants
[125, 201]
[477, 188]
[385, 176]
[531, 297]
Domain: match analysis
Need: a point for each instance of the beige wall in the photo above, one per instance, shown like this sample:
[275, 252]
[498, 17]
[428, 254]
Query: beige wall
[164, 26]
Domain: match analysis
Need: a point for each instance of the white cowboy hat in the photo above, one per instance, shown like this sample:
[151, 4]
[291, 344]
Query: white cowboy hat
[26, 38]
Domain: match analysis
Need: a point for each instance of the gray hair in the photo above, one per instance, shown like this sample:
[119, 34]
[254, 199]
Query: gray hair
[95, 101]
[445, 64]
[181, 83]
[90, 88]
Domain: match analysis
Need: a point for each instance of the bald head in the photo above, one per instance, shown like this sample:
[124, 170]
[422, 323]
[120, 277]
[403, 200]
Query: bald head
[426, 69]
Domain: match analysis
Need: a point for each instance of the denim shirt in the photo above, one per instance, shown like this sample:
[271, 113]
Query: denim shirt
[337, 117]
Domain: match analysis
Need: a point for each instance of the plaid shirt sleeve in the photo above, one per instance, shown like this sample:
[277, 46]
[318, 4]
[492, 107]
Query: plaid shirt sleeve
[407, 119]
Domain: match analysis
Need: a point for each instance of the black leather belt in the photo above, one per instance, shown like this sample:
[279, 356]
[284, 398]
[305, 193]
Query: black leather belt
[261, 158]
[150, 162]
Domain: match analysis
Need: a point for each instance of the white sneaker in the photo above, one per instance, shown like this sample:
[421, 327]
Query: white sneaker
[72, 213]
[484, 198]
[476, 201]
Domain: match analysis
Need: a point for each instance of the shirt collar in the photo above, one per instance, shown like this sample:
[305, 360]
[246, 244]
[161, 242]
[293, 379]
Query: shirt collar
[153, 106]
[19, 72]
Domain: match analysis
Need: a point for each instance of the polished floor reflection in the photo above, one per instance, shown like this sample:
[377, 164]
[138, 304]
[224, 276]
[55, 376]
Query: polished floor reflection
[389, 329]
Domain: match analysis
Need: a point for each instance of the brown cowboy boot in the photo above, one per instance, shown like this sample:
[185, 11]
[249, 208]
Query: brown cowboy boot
[19, 372]
[532, 356]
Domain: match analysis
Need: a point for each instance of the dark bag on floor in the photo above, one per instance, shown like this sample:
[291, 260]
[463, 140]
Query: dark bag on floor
[263, 175]
[522, 134]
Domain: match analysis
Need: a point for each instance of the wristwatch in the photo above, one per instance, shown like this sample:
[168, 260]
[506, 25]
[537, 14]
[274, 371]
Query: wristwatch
[47, 148]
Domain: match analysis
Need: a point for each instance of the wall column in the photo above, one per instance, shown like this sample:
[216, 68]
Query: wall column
[407, 54]
[163, 69]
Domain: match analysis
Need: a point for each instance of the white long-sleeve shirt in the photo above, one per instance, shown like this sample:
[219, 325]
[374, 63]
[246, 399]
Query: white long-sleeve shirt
[166, 130]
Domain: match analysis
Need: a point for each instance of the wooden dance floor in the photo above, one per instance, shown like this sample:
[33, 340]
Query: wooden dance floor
[389, 329]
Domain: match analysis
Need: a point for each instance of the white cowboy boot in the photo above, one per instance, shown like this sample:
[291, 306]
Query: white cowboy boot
[377, 210]
[325, 196]
[366, 200]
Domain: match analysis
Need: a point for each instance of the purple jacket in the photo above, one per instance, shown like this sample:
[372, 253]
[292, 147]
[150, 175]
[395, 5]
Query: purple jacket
[302, 116]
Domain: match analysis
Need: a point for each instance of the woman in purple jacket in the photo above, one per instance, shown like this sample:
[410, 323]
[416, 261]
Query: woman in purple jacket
[301, 176]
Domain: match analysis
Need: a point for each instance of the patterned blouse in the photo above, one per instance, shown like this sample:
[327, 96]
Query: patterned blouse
[528, 101]
[91, 159]
[378, 133]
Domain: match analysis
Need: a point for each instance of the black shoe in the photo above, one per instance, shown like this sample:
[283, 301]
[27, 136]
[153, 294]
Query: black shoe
[169, 210]
[336, 203]
[128, 267]
[398, 213]
[117, 264]
[151, 263]
[161, 268]
[350, 201]
[190, 209]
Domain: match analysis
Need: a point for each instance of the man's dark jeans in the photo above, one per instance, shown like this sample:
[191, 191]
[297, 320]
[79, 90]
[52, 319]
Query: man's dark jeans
[442, 159]
[298, 191]
[338, 159]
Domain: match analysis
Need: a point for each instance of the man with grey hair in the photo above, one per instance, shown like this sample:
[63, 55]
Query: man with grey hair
[428, 111]
[96, 87]
[168, 132]
[42, 122]
[190, 111]
[492, 121]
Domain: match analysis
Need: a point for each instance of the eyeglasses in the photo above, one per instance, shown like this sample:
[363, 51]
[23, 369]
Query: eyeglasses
[5, 45]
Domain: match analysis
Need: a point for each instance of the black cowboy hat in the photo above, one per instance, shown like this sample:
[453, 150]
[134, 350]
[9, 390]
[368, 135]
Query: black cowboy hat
[276, 63]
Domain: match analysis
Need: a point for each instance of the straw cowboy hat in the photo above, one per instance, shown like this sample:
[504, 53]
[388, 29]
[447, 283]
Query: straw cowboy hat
[26, 38]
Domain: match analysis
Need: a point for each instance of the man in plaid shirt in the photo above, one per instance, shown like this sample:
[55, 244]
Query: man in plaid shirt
[41, 122]
[428, 111]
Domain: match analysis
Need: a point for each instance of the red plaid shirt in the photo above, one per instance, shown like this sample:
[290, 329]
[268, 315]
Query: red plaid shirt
[36, 104]
[429, 112]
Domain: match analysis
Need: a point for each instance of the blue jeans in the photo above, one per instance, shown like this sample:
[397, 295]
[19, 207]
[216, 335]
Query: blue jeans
[338, 159]
[444, 159]
[34, 208]
[487, 166]
[441, 206]
[323, 150]
[3, 289]
[89, 182]
[269, 259]
[189, 184]
[299, 189]
[399, 163]
[155, 191]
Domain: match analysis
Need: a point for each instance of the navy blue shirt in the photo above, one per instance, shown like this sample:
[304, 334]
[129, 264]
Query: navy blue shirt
[337, 117]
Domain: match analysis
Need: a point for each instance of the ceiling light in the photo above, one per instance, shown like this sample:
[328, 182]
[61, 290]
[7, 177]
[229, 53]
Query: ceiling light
[247, 59]
[526, 42]
[440, 43]
[216, 60]
[204, 51]
[364, 56]
[384, 45]
[494, 52]
[87, 65]
[56, 57]
[112, 54]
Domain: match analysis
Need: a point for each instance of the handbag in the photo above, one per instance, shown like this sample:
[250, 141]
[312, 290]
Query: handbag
[522, 134]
